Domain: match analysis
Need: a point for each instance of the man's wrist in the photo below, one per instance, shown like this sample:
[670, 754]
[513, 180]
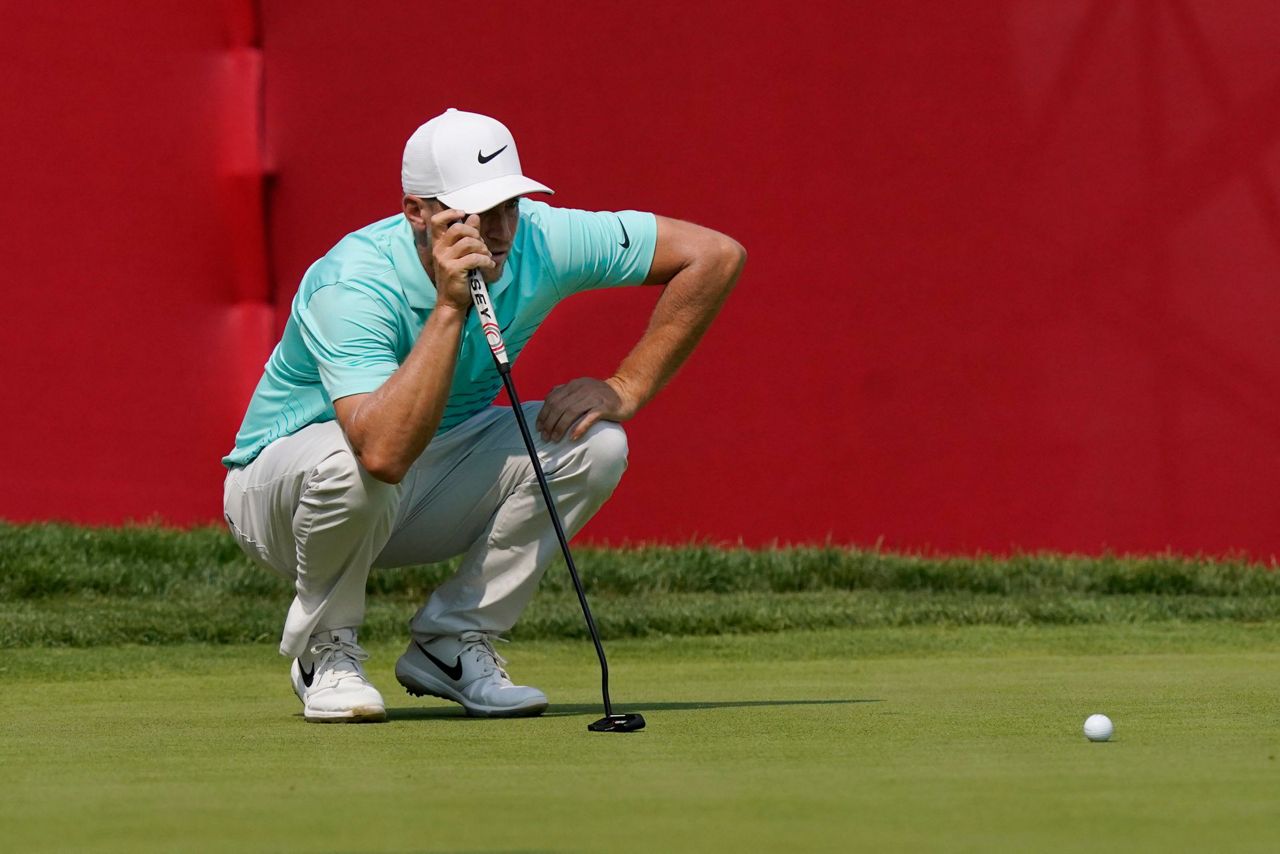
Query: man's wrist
[630, 400]
[448, 312]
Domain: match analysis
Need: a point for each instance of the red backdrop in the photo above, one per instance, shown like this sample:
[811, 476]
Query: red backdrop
[1045, 235]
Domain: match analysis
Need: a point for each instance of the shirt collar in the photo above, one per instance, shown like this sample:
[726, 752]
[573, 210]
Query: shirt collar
[408, 266]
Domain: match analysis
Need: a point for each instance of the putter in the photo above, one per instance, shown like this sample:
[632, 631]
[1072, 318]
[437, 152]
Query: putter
[611, 722]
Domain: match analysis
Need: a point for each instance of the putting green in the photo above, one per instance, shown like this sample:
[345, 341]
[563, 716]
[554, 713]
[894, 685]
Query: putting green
[923, 738]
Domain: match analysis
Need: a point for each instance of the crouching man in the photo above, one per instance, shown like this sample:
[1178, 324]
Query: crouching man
[371, 439]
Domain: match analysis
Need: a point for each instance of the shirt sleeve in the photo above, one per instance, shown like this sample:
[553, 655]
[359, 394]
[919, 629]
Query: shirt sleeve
[598, 249]
[352, 338]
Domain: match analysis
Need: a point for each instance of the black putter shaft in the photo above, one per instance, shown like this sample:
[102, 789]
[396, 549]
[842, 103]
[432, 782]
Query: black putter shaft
[510, 386]
[493, 335]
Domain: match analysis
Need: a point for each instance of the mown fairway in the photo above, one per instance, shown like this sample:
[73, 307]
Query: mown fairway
[924, 738]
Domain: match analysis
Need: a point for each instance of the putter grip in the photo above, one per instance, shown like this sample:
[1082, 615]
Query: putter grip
[488, 320]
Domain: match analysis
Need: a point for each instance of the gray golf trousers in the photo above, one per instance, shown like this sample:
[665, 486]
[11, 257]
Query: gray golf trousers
[308, 510]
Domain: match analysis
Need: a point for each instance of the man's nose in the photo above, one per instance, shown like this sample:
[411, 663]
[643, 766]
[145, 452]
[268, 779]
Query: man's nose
[496, 229]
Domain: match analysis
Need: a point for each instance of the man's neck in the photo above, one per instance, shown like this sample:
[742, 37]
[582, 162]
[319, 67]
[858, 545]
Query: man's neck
[428, 262]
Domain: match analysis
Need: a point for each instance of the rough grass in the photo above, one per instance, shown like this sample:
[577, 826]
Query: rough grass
[62, 585]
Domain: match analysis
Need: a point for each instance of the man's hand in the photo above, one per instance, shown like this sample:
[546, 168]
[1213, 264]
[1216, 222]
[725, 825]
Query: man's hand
[456, 249]
[585, 401]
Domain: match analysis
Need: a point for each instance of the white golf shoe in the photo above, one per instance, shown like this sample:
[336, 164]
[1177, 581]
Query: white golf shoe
[330, 681]
[467, 670]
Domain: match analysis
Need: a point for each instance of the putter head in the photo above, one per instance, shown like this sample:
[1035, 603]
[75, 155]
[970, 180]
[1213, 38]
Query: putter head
[618, 723]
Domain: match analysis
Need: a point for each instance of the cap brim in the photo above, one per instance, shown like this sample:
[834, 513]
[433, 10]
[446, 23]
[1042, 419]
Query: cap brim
[487, 194]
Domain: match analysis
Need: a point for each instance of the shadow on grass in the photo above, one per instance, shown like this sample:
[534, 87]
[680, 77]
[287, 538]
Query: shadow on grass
[558, 710]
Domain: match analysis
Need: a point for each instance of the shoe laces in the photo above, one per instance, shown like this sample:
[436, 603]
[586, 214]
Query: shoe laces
[482, 644]
[339, 659]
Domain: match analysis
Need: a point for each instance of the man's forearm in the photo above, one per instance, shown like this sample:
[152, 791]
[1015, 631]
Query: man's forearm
[392, 426]
[689, 302]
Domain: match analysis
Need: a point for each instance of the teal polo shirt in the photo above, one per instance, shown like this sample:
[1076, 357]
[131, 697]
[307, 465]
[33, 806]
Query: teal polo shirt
[360, 309]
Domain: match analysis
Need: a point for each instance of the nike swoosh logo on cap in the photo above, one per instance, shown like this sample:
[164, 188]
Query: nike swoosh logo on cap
[485, 158]
[454, 672]
[626, 238]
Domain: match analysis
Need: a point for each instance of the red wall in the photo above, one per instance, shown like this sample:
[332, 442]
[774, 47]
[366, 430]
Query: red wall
[128, 217]
[1046, 236]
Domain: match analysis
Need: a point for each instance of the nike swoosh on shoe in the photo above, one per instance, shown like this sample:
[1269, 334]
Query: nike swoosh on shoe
[454, 672]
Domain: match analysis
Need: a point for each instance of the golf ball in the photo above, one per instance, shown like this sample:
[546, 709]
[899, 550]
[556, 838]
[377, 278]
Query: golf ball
[1098, 728]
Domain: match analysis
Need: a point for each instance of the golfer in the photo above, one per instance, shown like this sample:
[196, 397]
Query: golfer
[371, 439]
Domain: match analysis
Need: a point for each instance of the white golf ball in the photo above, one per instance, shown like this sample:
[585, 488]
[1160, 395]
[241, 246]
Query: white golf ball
[1098, 728]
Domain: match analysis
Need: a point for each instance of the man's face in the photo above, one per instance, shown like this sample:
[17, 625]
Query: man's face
[497, 230]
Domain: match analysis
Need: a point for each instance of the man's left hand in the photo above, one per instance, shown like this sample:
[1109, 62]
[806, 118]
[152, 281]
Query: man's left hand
[578, 404]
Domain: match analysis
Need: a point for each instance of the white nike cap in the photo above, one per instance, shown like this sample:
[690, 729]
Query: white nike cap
[466, 160]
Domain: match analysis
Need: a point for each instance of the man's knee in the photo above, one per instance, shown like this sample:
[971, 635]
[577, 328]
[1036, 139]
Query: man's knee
[606, 449]
[340, 481]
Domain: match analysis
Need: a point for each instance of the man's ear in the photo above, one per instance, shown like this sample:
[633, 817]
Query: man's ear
[418, 212]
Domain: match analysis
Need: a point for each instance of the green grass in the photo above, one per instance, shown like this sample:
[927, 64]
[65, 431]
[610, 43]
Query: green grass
[815, 699]
[919, 738]
[69, 586]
